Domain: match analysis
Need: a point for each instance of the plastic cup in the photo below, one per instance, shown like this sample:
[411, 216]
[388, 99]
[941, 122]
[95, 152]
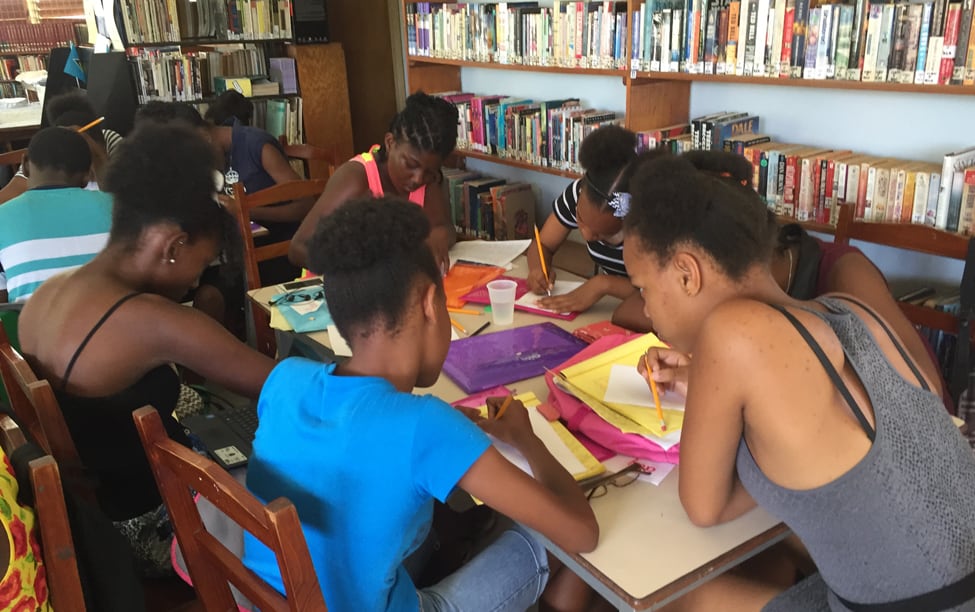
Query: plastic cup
[502, 295]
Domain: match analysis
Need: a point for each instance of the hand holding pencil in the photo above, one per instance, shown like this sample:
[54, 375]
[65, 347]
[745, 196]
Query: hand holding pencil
[540, 278]
[507, 420]
[666, 368]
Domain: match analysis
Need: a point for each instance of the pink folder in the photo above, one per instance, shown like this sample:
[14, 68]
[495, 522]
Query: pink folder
[480, 296]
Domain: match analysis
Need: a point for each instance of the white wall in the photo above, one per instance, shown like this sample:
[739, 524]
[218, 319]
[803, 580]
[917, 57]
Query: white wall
[908, 125]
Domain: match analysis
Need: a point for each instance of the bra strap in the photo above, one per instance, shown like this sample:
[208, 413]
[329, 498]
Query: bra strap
[890, 334]
[834, 376]
[84, 343]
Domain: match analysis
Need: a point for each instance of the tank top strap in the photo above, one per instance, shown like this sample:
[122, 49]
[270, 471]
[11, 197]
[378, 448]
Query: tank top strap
[834, 376]
[368, 161]
[91, 332]
[890, 334]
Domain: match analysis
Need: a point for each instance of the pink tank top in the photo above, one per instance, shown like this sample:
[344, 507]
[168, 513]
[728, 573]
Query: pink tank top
[368, 161]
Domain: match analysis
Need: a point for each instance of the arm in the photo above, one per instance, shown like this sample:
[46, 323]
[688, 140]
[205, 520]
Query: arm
[552, 503]
[442, 232]
[710, 490]
[589, 293]
[854, 274]
[553, 234]
[348, 182]
[277, 166]
[629, 314]
[192, 339]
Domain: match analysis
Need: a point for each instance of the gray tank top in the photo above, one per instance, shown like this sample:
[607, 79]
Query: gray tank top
[901, 522]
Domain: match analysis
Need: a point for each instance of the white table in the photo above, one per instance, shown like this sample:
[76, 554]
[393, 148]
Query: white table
[649, 553]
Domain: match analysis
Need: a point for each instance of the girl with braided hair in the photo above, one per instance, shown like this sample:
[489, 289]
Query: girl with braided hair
[420, 137]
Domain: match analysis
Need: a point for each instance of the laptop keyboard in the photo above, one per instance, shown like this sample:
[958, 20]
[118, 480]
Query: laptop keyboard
[242, 419]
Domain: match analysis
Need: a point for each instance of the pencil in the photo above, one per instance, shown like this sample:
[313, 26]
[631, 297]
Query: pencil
[504, 406]
[541, 258]
[480, 329]
[91, 125]
[466, 311]
[656, 396]
[458, 326]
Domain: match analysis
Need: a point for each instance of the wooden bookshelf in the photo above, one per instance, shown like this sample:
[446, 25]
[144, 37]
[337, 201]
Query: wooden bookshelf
[961, 90]
[191, 42]
[516, 163]
[420, 59]
[810, 226]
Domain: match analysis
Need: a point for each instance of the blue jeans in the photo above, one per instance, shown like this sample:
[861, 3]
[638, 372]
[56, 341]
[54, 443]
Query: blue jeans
[509, 574]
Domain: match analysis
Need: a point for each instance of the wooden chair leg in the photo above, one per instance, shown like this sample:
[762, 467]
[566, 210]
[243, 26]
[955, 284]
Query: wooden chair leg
[263, 334]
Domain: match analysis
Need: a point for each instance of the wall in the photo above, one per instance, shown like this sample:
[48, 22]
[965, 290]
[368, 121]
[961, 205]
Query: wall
[858, 120]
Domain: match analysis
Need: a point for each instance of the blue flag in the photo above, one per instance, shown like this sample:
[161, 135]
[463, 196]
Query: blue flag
[73, 65]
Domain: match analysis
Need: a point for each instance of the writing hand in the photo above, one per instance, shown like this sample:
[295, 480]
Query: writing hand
[513, 427]
[577, 300]
[668, 369]
[537, 282]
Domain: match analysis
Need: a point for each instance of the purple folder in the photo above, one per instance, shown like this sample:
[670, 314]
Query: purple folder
[484, 361]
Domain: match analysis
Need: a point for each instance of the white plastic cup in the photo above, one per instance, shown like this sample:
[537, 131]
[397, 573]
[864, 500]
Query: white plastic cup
[502, 294]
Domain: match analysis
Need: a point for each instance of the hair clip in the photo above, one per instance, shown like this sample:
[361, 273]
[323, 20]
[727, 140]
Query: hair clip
[218, 187]
[620, 203]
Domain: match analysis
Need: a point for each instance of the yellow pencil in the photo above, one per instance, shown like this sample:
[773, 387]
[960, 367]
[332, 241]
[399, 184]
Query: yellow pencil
[541, 258]
[504, 406]
[458, 326]
[91, 125]
[466, 311]
[656, 396]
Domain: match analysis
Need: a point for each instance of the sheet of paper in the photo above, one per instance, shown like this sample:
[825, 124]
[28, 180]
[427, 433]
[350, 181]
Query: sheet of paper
[530, 300]
[489, 252]
[278, 321]
[627, 386]
[657, 473]
[341, 348]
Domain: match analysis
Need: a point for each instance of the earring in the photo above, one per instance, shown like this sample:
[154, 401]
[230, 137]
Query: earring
[172, 260]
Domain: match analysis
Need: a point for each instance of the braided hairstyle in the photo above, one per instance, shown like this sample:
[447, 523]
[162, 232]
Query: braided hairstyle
[704, 198]
[429, 123]
[372, 251]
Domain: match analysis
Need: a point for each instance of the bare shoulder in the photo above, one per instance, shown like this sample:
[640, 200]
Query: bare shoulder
[750, 329]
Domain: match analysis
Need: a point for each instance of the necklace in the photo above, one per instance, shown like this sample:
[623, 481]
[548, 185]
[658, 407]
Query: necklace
[788, 285]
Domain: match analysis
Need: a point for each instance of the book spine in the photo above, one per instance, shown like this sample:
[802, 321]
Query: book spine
[798, 58]
[952, 23]
[920, 196]
[961, 48]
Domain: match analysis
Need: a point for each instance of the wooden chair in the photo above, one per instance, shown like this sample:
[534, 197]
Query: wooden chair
[61, 566]
[34, 405]
[921, 239]
[318, 161]
[244, 204]
[179, 472]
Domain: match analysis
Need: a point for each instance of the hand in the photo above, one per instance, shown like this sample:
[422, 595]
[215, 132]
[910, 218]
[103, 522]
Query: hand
[668, 369]
[577, 300]
[513, 427]
[471, 413]
[439, 243]
[537, 282]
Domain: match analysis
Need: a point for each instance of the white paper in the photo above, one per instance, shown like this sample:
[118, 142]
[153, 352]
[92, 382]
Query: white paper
[305, 308]
[658, 472]
[341, 348]
[561, 287]
[488, 252]
[627, 386]
[666, 441]
[549, 438]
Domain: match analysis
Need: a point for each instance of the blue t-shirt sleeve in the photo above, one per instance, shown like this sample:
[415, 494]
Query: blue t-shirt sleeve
[445, 445]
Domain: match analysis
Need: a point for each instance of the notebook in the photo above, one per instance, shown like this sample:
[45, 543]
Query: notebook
[566, 449]
[524, 299]
[226, 432]
[481, 362]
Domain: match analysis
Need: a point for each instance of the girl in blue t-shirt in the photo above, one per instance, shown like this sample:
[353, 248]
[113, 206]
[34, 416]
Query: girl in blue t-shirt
[363, 458]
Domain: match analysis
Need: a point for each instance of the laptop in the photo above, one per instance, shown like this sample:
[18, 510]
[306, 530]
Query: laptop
[226, 432]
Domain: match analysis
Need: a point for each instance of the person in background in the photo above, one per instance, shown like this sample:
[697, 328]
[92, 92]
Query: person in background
[108, 334]
[55, 225]
[810, 409]
[595, 205]
[229, 109]
[386, 295]
[806, 267]
[420, 138]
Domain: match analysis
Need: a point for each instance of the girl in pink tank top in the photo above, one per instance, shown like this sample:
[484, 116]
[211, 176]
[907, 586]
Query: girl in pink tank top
[419, 139]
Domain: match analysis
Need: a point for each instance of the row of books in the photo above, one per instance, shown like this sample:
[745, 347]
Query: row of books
[171, 21]
[489, 208]
[12, 89]
[23, 37]
[278, 116]
[545, 133]
[809, 183]
[942, 343]
[925, 42]
[11, 66]
[170, 74]
[570, 34]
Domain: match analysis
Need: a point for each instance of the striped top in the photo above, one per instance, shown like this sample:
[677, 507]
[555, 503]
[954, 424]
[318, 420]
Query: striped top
[608, 257]
[47, 231]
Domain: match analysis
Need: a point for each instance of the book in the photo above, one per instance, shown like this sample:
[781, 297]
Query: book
[951, 164]
[514, 211]
[966, 214]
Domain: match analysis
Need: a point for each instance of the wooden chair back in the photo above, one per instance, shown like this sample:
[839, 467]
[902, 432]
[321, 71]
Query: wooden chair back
[319, 162]
[179, 472]
[33, 403]
[918, 238]
[61, 566]
[243, 205]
